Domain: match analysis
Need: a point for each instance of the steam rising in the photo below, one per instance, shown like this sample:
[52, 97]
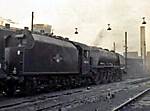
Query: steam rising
[99, 37]
[88, 16]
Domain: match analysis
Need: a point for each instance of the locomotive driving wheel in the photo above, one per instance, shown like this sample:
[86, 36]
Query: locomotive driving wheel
[97, 78]
[10, 88]
[105, 77]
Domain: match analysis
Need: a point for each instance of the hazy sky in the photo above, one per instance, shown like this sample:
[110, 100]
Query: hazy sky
[89, 16]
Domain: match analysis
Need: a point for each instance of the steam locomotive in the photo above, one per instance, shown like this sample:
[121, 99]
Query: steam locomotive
[30, 62]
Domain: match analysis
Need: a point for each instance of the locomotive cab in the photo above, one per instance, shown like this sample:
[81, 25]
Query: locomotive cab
[84, 57]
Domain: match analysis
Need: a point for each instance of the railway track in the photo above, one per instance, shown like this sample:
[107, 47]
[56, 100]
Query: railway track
[31, 102]
[64, 99]
[131, 100]
[131, 88]
[54, 101]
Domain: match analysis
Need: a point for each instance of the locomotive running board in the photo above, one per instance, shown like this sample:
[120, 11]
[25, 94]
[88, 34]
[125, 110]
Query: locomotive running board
[105, 67]
[45, 73]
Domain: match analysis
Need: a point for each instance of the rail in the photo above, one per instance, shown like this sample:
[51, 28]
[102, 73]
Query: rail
[121, 106]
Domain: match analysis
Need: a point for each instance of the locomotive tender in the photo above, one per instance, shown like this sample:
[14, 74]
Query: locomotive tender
[34, 61]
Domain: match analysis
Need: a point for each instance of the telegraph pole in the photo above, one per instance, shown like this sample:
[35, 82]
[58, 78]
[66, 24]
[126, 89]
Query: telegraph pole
[32, 22]
[126, 47]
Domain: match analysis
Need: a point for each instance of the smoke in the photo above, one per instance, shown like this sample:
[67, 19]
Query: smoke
[8, 20]
[99, 37]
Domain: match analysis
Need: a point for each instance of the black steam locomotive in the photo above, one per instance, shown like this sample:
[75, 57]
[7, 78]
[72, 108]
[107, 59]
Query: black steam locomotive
[30, 62]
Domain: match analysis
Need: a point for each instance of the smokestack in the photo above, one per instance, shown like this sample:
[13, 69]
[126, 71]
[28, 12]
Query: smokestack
[143, 45]
[142, 42]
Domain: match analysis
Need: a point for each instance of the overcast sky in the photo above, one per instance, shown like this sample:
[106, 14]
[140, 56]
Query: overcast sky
[89, 16]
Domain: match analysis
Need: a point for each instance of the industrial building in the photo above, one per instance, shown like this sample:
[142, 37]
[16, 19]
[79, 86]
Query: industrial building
[42, 28]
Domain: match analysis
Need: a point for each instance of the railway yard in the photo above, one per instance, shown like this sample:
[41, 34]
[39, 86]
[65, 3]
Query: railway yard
[41, 71]
[106, 97]
[84, 78]
[68, 76]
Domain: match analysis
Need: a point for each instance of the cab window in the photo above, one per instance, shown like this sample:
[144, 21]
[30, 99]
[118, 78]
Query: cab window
[86, 53]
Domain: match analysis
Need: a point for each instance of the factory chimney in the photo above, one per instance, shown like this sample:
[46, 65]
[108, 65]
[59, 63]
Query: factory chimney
[143, 44]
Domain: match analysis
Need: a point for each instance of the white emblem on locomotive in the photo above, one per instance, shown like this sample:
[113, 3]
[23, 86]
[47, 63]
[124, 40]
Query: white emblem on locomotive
[57, 58]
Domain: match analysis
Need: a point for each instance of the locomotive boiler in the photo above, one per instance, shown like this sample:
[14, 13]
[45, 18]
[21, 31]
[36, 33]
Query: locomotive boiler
[35, 61]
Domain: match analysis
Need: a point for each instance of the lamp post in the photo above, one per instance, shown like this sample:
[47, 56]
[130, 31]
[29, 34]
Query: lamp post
[114, 45]
[143, 22]
[76, 33]
[109, 27]
[76, 30]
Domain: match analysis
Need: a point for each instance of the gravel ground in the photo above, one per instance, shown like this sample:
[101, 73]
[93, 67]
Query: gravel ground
[101, 97]
[107, 103]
